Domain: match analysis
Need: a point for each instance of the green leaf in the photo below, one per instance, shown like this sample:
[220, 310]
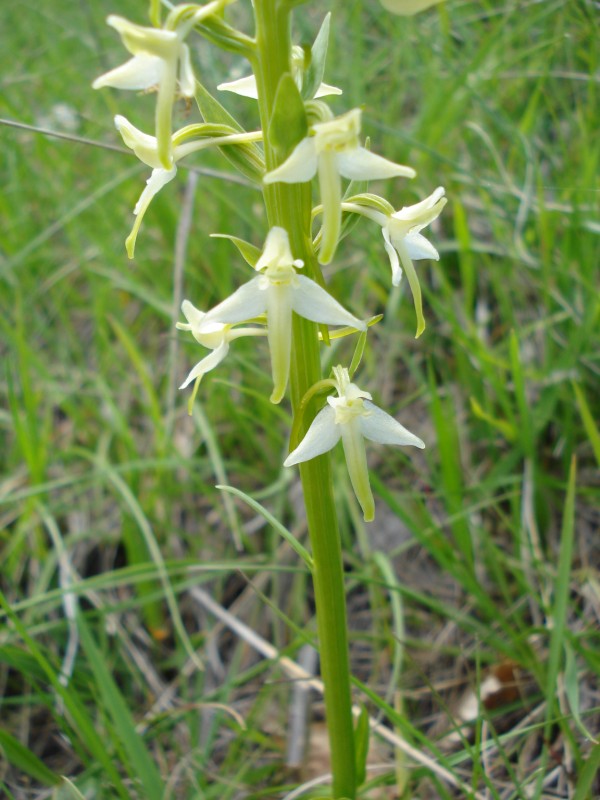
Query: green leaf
[75, 708]
[283, 531]
[248, 251]
[506, 428]
[313, 77]
[572, 686]
[288, 125]
[361, 744]
[247, 158]
[587, 418]
[21, 757]
[562, 583]
[141, 765]
[587, 775]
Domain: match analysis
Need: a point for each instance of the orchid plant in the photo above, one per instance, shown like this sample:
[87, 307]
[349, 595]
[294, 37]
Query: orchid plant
[286, 301]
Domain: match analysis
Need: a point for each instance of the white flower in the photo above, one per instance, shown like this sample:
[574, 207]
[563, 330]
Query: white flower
[332, 149]
[246, 87]
[214, 335]
[351, 417]
[403, 241]
[279, 291]
[146, 149]
[406, 8]
[160, 58]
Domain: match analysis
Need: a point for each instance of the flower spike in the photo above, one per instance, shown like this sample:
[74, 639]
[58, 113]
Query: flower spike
[333, 150]
[279, 291]
[352, 417]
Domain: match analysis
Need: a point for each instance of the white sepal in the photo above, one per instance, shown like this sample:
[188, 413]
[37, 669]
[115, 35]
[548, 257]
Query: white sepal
[362, 165]
[245, 87]
[299, 167]
[322, 436]
[247, 302]
[312, 302]
[378, 426]
[207, 364]
[140, 72]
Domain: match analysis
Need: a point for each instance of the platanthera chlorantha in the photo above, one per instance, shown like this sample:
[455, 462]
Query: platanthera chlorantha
[297, 147]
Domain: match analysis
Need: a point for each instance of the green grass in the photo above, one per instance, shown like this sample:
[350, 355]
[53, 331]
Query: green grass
[485, 547]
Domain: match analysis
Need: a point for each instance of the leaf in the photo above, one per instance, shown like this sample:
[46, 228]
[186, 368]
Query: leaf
[140, 764]
[21, 757]
[361, 745]
[313, 76]
[247, 158]
[587, 775]
[288, 125]
[572, 690]
[248, 251]
[283, 531]
[590, 426]
[562, 583]
[506, 428]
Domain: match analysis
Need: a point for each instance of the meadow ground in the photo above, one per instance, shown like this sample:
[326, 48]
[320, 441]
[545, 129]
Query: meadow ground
[479, 579]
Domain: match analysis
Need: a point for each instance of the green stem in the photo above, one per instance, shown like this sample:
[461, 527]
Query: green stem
[289, 206]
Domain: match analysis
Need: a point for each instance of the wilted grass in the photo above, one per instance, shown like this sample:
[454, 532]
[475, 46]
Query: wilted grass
[483, 560]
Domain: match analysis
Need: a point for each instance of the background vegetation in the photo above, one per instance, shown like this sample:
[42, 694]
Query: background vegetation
[480, 566]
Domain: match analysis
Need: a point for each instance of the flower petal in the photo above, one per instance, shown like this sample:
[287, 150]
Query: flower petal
[378, 426]
[139, 39]
[415, 286]
[279, 331]
[245, 303]
[322, 435]
[325, 90]
[276, 251]
[140, 72]
[159, 178]
[330, 185]
[299, 167]
[361, 164]
[418, 247]
[187, 79]
[312, 302]
[193, 315]
[356, 461]
[425, 212]
[393, 256]
[246, 87]
[142, 144]
[208, 363]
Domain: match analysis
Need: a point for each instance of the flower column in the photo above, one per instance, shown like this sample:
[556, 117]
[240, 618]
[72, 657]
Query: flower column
[289, 206]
